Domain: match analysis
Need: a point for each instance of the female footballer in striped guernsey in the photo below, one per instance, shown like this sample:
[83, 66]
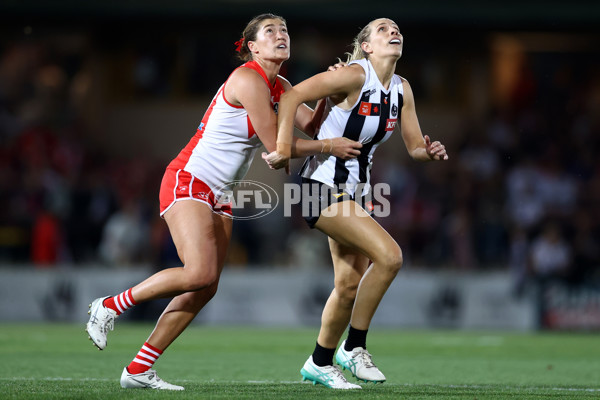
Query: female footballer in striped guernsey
[241, 116]
[367, 102]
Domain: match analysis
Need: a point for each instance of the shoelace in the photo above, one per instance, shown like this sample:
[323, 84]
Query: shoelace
[108, 323]
[337, 372]
[157, 380]
[153, 378]
[366, 358]
[153, 375]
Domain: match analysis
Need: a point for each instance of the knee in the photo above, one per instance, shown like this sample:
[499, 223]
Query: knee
[194, 301]
[391, 260]
[211, 290]
[201, 280]
[206, 294]
[346, 291]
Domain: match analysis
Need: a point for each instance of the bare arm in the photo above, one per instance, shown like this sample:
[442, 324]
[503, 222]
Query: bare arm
[419, 147]
[308, 120]
[343, 148]
[340, 83]
[247, 88]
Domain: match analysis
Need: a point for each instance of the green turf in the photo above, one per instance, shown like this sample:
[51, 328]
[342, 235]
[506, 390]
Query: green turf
[43, 361]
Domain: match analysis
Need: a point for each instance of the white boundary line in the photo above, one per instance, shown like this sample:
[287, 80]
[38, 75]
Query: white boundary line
[67, 379]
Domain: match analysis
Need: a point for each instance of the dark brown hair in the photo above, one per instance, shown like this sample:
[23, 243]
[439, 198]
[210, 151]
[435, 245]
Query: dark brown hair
[250, 33]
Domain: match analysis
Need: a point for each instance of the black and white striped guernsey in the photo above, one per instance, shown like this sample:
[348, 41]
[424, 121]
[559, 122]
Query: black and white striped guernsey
[370, 121]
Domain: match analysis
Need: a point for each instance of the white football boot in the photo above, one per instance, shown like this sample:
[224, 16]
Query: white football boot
[102, 319]
[329, 376]
[145, 380]
[359, 362]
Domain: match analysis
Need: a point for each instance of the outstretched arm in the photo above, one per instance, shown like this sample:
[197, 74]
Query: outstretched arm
[340, 147]
[339, 83]
[247, 88]
[420, 147]
[308, 121]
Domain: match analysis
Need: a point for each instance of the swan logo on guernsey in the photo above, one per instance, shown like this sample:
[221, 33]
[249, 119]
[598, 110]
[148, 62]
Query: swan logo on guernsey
[247, 199]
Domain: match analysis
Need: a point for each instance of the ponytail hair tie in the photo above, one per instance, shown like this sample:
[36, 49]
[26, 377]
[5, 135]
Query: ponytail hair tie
[239, 45]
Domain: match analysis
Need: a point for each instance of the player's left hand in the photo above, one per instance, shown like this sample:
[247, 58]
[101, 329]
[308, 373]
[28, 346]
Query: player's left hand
[276, 160]
[344, 148]
[436, 150]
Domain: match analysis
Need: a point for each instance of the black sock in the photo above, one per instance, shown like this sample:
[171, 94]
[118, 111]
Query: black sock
[322, 356]
[356, 338]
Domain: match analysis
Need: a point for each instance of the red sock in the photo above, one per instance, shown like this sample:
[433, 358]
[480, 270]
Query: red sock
[120, 302]
[144, 360]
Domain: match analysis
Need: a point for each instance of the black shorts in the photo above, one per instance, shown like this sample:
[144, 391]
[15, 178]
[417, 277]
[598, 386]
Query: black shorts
[317, 196]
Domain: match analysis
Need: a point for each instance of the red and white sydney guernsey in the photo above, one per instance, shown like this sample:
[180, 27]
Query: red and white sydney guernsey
[220, 152]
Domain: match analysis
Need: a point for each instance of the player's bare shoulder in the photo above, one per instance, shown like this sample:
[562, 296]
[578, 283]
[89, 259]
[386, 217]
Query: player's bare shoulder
[348, 84]
[244, 81]
[407, 91]
[352, 74]
[246, 77]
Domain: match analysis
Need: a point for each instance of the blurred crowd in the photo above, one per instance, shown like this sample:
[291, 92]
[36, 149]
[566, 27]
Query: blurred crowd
[521, 190]
[65, 197]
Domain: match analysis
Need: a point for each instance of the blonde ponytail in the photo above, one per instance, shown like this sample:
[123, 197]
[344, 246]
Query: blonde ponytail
[357, 52]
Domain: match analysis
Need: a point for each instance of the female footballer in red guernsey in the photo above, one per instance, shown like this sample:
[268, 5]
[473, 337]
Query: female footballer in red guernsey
[366, 101]
[240, 118]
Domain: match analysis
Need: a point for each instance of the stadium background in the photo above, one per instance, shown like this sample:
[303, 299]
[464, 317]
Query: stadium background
[96, 98]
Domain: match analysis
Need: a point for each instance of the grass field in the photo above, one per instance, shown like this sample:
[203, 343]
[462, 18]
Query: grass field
[45, 361]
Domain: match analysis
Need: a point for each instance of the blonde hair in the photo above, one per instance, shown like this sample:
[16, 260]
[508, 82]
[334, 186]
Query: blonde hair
[357, 52]
[250, 32]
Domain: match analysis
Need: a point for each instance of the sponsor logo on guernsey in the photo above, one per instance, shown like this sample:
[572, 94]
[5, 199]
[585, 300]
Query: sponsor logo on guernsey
[365, 108]
[368, 109]
[247, 199]
[275, 103]
[390, 124]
